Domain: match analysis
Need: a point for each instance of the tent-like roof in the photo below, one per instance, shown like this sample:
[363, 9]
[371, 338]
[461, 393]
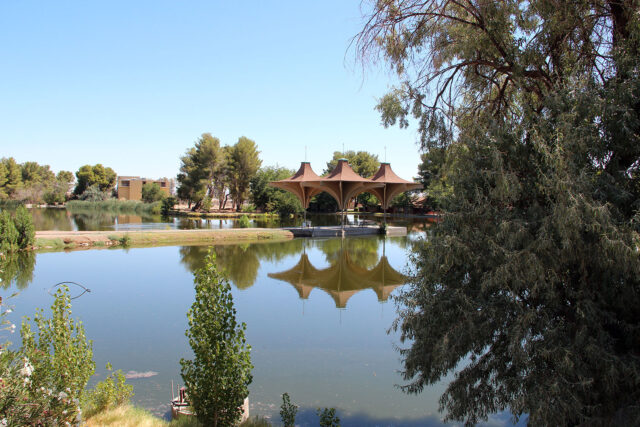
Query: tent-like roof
[392, 185]
[342, 279]
[297, 184]
[343, 184]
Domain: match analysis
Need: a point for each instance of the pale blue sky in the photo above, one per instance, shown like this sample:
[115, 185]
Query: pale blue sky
[132, 84]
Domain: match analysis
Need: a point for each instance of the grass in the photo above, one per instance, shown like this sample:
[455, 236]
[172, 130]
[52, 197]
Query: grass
[55, 240]
[130, 416]
[115, 206]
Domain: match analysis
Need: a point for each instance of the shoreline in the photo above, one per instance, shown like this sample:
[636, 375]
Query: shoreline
[61, 240]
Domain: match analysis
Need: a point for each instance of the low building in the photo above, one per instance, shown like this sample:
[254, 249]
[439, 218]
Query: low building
[130, 187]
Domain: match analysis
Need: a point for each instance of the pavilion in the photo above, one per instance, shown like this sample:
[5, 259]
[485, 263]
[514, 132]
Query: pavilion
[343, 184]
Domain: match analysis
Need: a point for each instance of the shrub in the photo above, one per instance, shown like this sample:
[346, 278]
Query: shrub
[24, 225]
[243, 222]
[59, 361]
[113, 391]
[151, 192]
[167, 205]
[93, 194]
[250, 208]
[218, 377]
[53, 197]
[288, 411]
[125, 240]
[328, 417]
[9, 235]
[206, 204]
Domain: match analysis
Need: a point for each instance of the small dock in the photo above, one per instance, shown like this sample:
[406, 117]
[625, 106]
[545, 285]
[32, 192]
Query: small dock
[348, 230]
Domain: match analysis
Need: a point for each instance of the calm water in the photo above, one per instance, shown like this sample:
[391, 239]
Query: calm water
[61, 219]
[317, 314]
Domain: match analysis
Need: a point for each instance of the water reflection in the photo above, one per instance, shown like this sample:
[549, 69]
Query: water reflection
[343, 278]
[354, 265]
[16, 268]
[91, 220]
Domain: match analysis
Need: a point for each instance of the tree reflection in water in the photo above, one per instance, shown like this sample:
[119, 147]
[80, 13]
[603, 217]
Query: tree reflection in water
[17, 268]
[354, 265]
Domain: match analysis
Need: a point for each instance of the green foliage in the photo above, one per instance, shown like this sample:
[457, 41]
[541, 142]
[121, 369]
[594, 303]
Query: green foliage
[243, 221]
[111, 392]
[206, 204]
[113, 206]
[288, 411]
[60, 358]
[534, 269]
[432, 174]
[10, 177]
[125, 240]
[363, 163]
[16, 268]
[328, 417]
[16, 231]
[152, 192]
[53, 197]
[24, 225]
[8, 233]
[203, 171]
[168, 204]
[97, 175]
[93, 194]
[218, 377]
[243, 164]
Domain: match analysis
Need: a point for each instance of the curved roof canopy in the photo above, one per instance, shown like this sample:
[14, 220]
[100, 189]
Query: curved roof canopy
[296, 184]
[393, 185]
[343, 184]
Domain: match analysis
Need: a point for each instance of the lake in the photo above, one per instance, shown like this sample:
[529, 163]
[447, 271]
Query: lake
[317, 314]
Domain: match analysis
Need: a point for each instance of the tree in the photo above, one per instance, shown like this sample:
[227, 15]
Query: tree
[243, 163]
[203, 171]
[270, 199]
[432, 174]
[60, 357]
[218, 377]
[3, 180]
[151, 192]
[210, 159]
[13, 176]
[532, 277]
[87, 176]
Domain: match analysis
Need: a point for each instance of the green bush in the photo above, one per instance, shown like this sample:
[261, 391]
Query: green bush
[53, 197]
[218, 377]
[152, 192]
[16, 231]
[250, 208]
[113, 391]
[9, 235]
[206, 204]
[244, 222]
[288, 411]
[125, 240]
[59, 361]
[114, 206]
[24, 225]
[167, 205]
[328, 417]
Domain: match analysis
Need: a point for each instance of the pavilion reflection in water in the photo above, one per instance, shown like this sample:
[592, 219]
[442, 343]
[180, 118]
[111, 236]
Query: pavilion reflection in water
[343, 279]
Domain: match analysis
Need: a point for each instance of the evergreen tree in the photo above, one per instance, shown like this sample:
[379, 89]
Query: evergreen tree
[532, 279]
